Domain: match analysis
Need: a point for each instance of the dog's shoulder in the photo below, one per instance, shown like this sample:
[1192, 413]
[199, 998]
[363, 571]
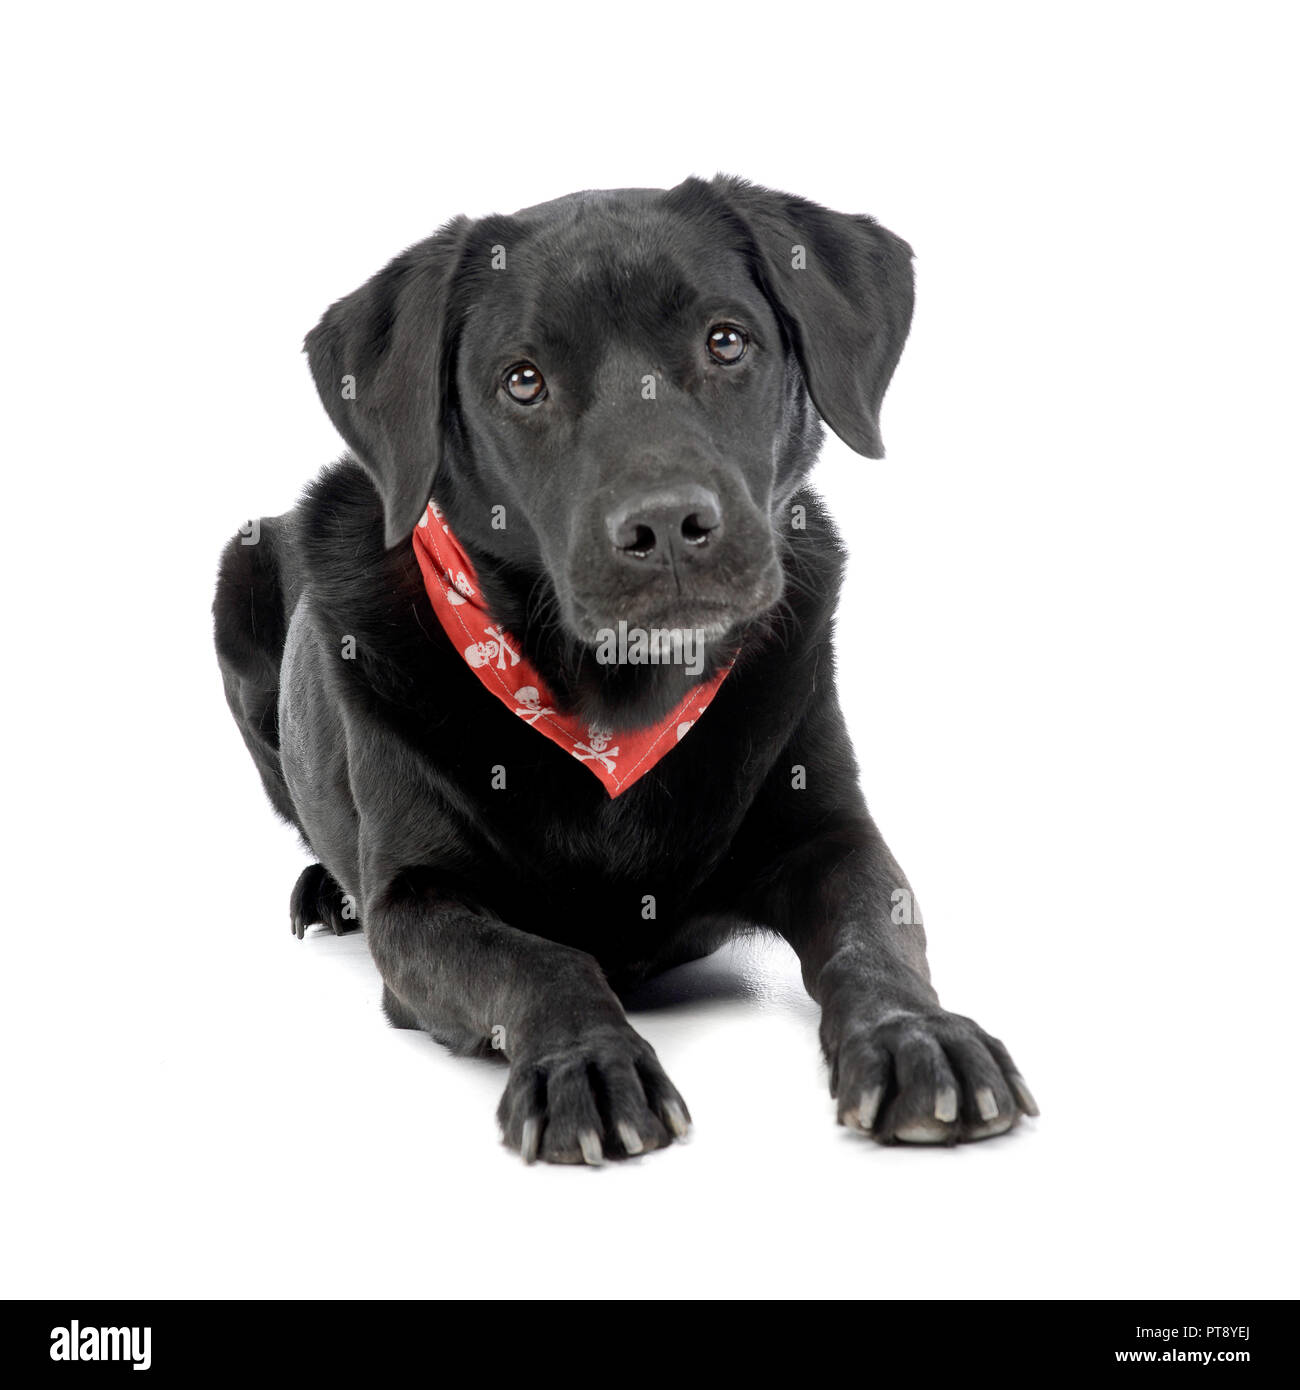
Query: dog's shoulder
[356, 588]
[338, 529]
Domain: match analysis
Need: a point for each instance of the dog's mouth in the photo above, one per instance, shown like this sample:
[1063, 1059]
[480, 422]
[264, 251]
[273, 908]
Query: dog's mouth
[705, 620]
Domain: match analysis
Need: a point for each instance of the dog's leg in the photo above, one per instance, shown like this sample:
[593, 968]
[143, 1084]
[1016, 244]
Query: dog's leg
[583, 1084]
[901, 1067]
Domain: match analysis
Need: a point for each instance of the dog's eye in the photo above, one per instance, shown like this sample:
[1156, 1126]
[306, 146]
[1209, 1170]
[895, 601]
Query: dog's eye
[525, 384]
[727, 343]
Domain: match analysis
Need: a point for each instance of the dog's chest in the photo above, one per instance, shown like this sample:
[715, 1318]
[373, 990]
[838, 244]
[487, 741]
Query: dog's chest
[607, 856]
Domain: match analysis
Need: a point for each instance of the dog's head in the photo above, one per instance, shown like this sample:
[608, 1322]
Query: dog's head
[609, 393]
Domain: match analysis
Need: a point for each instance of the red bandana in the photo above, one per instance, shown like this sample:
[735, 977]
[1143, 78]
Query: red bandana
[494, 656]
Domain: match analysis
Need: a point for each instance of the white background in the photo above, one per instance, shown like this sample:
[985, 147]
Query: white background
[1067, 648]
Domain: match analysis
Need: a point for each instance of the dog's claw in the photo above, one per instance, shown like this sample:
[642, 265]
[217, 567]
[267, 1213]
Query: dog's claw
[1024, 1096]
[863, 1115]
[868, 1105]
[528, 1144]
[589, 1143]
[945, 1105]
[631, 1140]
[986, 1103]
[676, 1117]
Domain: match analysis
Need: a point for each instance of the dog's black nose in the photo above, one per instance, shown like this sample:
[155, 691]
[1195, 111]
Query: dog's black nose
[664, 525]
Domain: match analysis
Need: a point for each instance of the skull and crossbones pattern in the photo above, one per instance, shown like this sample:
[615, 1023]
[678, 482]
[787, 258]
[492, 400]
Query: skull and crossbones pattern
[495, 647]
[457, 588]
[597, 748]
[530, 708]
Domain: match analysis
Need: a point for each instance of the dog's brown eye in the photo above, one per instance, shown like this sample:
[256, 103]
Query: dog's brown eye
[727, 343]
[525, 384]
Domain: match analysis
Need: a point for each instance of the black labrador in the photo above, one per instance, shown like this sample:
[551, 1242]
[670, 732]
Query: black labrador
[615, 399]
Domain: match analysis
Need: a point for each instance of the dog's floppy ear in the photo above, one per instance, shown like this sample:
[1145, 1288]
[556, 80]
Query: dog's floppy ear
[842, 288]
[380, 359]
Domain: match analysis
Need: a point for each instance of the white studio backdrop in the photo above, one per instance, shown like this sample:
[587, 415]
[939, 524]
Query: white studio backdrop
[1066, 648]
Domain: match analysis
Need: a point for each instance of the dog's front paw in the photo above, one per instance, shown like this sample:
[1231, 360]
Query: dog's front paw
[926, 1078]
[603, 1096]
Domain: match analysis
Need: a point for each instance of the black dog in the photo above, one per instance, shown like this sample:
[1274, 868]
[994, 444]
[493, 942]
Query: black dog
[614, 400]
